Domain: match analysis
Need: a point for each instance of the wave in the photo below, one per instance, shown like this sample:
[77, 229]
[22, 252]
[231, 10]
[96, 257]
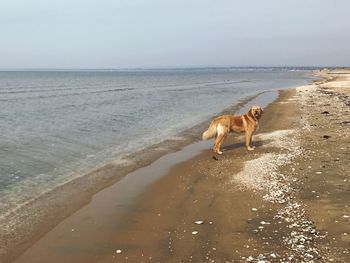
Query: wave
[68, 94]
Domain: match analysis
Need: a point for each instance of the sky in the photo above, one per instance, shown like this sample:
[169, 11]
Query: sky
[92, 34]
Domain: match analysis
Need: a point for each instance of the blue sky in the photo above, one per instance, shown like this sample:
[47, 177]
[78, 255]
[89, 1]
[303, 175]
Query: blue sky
[173, 33]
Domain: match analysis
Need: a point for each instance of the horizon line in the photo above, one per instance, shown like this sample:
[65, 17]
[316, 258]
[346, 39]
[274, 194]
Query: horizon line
[166, 68]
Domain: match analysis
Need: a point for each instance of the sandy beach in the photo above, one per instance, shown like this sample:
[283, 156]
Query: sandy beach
[287, 201]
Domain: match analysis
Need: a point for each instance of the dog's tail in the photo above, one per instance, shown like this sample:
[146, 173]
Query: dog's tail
[210, 133]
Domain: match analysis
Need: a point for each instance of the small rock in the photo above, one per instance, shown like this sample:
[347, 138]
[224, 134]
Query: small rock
[118, 251]
[194, 232]
[255, 231]
[199, 222]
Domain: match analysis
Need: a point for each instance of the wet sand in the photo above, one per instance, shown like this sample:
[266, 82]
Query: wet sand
[287, 201]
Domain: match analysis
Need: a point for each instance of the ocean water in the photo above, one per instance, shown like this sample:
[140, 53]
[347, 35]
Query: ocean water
[57, 125]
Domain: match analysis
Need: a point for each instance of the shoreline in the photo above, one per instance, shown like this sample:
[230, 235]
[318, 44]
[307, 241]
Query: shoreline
[138, 211]
[100, 210]
[22, 227]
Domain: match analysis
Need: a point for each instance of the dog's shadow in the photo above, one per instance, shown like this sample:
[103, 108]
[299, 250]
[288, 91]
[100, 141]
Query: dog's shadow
[241, 144]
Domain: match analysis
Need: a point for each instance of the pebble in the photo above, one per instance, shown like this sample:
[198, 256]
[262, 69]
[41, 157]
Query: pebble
[254, 209]
[194, 232]
[199, 222]
[118, 251]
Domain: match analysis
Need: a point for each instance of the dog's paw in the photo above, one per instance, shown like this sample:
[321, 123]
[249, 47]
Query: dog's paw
[219, 152]
[249, 148]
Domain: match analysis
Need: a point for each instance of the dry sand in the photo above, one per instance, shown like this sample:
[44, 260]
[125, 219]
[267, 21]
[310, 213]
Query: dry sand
[287, 201]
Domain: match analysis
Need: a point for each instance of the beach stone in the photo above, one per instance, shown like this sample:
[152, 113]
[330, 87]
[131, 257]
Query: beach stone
[255, 231]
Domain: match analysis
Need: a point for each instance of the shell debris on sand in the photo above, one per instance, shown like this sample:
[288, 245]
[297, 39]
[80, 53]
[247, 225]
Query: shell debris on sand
[262, 175]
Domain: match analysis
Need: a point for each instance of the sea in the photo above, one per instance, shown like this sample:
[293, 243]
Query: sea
[57, 125]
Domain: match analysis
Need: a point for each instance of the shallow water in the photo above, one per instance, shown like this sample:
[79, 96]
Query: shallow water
[58, 125]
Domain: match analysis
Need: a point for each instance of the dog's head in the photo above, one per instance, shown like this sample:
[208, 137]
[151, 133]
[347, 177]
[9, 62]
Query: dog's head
[256, 112]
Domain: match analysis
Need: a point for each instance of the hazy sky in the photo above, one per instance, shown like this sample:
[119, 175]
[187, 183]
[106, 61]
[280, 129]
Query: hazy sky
[158, 33]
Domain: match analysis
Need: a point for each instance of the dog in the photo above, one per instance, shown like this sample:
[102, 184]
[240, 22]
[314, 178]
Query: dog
[221, 126]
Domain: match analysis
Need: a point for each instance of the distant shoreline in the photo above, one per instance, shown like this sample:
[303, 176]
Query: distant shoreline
[165, 68]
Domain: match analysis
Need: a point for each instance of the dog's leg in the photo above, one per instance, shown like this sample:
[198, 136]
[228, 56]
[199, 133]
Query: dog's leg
[222, 139]
[218, 143]
[248, 141]
[216, 147]
[215, 144]
[251, 141]
[222, 134]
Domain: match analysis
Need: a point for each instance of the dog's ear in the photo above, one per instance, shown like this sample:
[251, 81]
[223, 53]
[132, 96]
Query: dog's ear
[261, 110]
[250, 113]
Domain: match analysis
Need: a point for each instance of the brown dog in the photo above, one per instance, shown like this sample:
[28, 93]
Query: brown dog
[223, 125]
